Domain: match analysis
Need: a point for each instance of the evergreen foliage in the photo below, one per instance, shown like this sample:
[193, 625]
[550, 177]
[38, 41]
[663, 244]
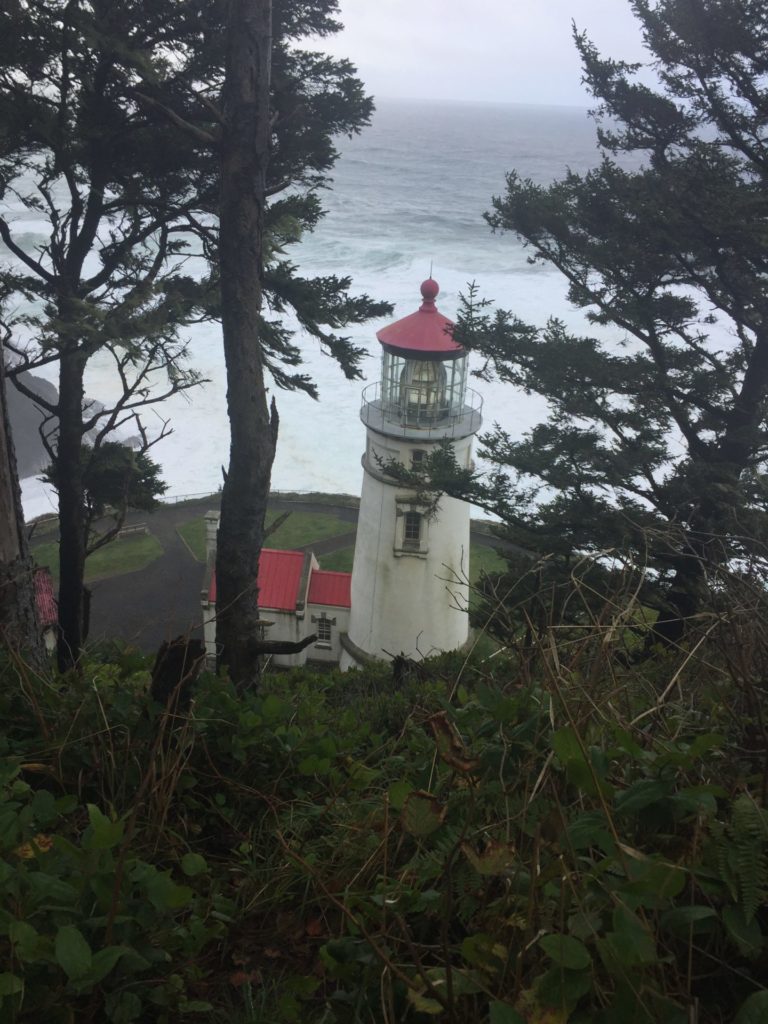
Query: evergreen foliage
[19, 627]
[116, 478]
[109, 130]
[656, 440]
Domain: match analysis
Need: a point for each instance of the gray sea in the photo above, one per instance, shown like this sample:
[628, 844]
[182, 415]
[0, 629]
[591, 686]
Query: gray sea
[408, 194]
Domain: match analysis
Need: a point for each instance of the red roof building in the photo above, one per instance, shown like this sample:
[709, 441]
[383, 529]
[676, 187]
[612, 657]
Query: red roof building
[330, 588]
[281, 574]
[299, 601]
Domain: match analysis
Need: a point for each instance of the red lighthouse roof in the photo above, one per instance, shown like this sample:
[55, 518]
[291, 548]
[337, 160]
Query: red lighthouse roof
[426, 333]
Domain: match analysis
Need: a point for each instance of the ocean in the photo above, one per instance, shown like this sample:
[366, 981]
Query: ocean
[408, 194]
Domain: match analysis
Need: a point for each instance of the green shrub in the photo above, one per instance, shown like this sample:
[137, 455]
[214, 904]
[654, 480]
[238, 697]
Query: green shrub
[546, 835]
[86, 922]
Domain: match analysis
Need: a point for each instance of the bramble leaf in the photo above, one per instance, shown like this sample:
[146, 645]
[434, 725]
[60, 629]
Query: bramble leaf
[73, 954]
[747, 935]
[398, 793]
[105, 834]
[193, 864]
[422, 813]
[10, 984]
[503, 1013]
[566, 951]
[754, 1010]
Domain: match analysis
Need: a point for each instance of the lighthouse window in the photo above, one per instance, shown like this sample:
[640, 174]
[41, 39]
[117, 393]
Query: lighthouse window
[412, 528]
[417, 458]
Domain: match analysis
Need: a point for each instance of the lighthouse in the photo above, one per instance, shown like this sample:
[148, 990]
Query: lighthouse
[406, 592]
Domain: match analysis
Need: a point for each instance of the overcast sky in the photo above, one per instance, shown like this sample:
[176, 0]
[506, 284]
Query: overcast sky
[507, 51]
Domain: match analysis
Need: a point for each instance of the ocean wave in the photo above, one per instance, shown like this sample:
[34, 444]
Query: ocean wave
[408, 191]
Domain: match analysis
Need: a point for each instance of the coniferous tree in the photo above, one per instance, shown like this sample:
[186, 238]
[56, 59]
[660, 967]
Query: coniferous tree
[110, 132]
[116, 478]
[656, 441]
[273, 130]
[245, 146]
[111, 188]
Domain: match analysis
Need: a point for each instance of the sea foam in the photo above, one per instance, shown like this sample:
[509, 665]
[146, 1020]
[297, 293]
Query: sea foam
[408, 194]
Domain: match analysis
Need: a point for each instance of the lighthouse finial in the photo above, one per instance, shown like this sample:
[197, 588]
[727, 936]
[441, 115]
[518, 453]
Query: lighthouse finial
[429, 291]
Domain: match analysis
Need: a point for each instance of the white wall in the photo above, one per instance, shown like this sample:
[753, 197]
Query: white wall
[287, 626]
[331, 654]
[408, 601]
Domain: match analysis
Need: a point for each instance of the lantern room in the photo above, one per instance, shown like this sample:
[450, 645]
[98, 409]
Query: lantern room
[423, 383]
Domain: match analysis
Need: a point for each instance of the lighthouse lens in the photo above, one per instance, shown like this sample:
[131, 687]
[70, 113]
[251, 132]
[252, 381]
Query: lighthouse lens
[422, 391]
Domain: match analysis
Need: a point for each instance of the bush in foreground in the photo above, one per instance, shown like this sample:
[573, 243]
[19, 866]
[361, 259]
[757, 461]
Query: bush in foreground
[542, 836]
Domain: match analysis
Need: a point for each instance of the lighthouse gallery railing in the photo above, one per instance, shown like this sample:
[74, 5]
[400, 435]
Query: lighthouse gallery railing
[409, 416]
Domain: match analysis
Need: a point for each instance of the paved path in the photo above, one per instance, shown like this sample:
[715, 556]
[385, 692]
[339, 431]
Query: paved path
[160, 601]
[163, 600]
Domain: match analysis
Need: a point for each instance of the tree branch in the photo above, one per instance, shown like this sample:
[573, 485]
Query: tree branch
[28, 364]
[34, 397]
[33, 265]
[203, 137]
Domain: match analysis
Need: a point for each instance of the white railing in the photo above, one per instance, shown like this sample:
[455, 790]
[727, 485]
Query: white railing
[404, 417]
[177, 499]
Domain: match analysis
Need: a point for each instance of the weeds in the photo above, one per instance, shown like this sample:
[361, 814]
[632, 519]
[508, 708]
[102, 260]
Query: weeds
[550, 834]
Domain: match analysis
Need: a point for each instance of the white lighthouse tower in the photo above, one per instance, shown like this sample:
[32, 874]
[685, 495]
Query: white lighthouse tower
[405, 592]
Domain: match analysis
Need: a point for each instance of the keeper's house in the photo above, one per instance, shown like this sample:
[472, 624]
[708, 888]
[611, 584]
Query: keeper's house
[296, 599]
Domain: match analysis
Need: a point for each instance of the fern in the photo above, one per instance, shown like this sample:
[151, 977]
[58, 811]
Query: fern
[749, 830]
[722, 840]
[741, 851]
[467, 894]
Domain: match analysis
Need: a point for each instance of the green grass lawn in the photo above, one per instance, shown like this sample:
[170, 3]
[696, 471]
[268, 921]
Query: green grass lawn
[118, 557]
[481, 558]
[338, 561]
[48, 527]
[193, 534]
[484, 559]
[299, 529]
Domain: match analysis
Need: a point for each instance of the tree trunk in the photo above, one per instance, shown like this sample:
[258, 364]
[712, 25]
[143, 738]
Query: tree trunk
[19, 629]
[244, 156]
[71, 511]
[705, 543]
